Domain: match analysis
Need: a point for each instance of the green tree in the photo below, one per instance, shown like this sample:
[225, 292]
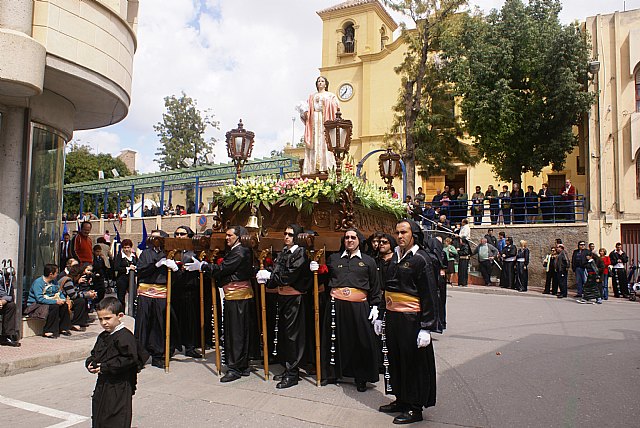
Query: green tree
[425, 113]
[522, 77]
[181, 134]
[82, 165]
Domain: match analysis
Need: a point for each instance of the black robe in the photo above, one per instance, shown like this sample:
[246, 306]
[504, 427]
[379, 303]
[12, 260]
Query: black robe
[185, 301]
[120, 359]
[349, 344]
[412, 370]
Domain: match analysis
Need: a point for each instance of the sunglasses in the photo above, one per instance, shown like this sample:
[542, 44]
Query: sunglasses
[288, 234]
[384, 241]
[181, 233]
[350, 237]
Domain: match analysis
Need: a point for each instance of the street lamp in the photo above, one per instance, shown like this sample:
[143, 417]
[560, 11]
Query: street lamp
[389, 164]
[338, 136]
[239, 146]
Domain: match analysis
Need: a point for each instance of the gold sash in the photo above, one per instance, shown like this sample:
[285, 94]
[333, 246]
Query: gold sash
[401, 302]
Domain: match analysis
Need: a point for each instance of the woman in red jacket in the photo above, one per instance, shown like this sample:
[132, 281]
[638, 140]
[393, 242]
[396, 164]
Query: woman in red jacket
[605, 274]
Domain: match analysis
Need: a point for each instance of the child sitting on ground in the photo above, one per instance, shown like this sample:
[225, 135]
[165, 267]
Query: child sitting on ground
[117, 359]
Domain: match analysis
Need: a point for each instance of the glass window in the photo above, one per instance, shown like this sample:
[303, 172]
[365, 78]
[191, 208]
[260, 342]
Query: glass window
[44, 204]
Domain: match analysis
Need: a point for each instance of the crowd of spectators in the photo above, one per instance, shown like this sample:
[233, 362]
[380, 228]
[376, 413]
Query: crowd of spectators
[505, 207]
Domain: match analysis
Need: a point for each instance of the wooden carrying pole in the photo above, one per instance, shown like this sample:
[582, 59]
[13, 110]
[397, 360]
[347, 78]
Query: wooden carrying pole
[214, 313]
[263, 301]
[167, 333]
[316, 317]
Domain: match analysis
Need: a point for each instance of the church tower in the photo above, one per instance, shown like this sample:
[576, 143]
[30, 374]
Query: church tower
[358, 58]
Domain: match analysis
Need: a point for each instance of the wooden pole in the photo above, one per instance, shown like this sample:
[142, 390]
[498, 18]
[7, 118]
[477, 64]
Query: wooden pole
[167, 334]
[316, 310]
[265, 342]
[202, 342]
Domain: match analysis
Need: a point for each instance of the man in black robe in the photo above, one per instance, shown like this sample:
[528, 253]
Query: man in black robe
[152, 299]
[291, 278]
[348, 342]
[185, 300]
[234, 276]
[409, 313]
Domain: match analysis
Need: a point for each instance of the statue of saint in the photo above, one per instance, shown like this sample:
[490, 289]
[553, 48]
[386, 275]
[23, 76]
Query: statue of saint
[322, 106]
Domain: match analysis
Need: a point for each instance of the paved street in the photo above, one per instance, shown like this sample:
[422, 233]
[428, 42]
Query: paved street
[505, 361]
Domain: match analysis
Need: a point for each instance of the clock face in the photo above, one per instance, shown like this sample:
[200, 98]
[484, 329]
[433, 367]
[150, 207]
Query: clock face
[345, 92]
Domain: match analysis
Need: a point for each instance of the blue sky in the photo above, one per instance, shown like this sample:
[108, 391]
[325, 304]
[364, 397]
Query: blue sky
[249, 59]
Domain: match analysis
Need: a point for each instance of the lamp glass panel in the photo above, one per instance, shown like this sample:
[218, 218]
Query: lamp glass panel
[238, 143]
[386, 165]
[332, 138]
[343, 138]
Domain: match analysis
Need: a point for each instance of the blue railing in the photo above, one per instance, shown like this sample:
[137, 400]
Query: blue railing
[554, 209]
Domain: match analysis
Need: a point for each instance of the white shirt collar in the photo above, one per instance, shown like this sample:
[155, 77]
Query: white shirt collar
[356, 254]
[236, 244]
[293, 248]
[413, 250]
[118, 328]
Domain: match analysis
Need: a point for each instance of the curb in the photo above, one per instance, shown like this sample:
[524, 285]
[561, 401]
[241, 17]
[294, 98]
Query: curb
[44, 360]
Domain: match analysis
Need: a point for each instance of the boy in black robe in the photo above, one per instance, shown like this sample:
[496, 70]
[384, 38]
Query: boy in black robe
[116, 358]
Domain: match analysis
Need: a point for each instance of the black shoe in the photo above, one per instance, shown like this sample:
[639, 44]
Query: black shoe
[408, 417]
[287, 382]
[245, 372]
[7, 341]
[560, 296]
[157, 362]
[230, 377]
[393, 407]
[361, 386]
[578, 295]
[193, 353]
[329, 381]
[65, 333]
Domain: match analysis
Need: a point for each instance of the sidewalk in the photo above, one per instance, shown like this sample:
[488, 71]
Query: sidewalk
[38, 352]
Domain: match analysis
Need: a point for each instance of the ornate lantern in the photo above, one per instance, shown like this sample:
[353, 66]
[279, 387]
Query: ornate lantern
[389, 164]
[239, 146]
[338, 137]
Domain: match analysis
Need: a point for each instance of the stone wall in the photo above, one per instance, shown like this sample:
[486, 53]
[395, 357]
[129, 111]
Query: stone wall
[539, 239]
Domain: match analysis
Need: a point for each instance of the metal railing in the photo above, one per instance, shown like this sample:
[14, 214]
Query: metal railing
[507, 211]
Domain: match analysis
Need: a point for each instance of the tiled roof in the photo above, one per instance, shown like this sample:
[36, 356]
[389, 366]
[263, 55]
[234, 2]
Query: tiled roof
[347, 4]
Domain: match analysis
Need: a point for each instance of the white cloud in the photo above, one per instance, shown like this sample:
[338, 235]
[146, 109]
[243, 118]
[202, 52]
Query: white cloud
[246, 59]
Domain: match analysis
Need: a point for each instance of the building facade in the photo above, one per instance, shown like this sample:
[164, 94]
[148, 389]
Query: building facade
[613, 131]
[66, 65]
[362, 76]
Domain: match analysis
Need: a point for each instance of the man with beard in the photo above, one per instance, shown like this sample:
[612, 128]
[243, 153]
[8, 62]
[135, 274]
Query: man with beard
[348, 342]
[291, 278]
[234, 276]
[409, 313]
[152, 298]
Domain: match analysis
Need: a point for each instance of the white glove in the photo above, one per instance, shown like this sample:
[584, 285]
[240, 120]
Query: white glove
[314, 266]
[196, 265]
[377, 327]
[171, 265]
[373, 315]
[424, 338]
[161, 262]
[263, 276]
